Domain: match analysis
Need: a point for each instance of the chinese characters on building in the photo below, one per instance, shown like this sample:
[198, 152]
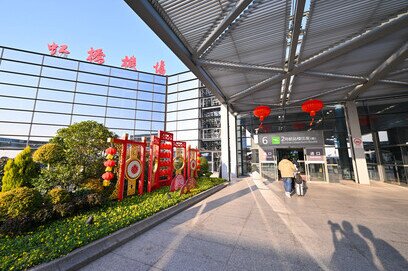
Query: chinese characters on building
[160, 68]
[63, 49]
[129, 62]
[97, 56]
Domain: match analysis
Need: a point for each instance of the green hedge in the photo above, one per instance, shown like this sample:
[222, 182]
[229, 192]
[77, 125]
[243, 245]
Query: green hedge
[60, 237]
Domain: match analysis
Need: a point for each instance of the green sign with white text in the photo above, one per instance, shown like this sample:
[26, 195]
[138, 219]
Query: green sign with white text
[275, 140]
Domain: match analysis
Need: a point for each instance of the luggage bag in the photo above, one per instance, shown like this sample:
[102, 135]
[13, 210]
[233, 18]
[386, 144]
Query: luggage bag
[300, 189]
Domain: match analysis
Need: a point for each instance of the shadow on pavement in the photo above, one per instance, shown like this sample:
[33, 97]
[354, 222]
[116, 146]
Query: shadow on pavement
[347, 243]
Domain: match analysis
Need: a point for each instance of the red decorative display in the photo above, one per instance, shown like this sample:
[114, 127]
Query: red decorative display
[179, 164]
[133, 167]
[129, 62]
[108, 176]
[63, 50]
[96, 56]
[311, 107]
[53, 48]
[160, 68]
[161, 162]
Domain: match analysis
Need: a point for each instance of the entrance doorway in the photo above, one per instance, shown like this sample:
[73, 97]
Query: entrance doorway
[295, 155]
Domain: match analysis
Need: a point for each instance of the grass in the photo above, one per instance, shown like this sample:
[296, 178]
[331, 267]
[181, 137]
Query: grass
[60, 237]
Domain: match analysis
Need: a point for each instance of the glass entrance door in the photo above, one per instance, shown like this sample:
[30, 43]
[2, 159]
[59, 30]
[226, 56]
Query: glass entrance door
[315, 172]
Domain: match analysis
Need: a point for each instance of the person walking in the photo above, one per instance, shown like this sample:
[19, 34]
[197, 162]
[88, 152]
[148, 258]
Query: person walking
[287, 170]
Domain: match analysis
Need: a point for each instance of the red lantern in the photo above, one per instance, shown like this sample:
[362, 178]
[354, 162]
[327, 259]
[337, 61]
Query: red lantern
[311, 107]
[262, 112]
[109, 163]
[111, 151]
[107, 176]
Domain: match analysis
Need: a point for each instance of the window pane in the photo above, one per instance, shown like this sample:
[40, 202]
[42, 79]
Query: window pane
[58, 73]
[121, 113]
[143, 125]
[60, 62]
[90, 99]
[48, 118]
[145, 86]
[143, 115]
[23, 56]
[120, 92]
[13, 115]
[125, 103]
[16, 103]
[52, 95]
[53, 107]
[158, 116]
[160, 79]
[57, 84]
[27, 92]
[124, 73]
[90, 88]
[95, 68]
[19, 67]
[158, 107]
[89, 110]
[76, 119]
[144, 105]
[117, 82]
[44, 130]
[25, 80]
[145, 96]
[146, 77]
[92, 78]
[159, 98]
[120, 123]
[15, 129]
[157, 125]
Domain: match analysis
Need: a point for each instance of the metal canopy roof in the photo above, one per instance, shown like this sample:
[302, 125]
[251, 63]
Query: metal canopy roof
[281, 53]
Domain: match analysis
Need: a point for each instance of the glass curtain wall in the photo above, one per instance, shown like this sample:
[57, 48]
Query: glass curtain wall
[40, 94]
[384, 125]
[193, 115]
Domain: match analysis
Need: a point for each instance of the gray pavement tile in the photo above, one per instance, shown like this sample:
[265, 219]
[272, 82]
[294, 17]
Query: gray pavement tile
[147, 253]
[256, 259]
[180, 260]
[115, 262]
[224, 238]
[205, 249]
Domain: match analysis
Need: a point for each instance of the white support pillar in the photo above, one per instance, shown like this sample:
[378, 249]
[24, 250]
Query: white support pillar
[356, 143]
[228, 144]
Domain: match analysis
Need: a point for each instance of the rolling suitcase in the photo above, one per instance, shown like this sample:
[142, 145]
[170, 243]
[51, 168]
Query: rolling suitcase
[300, 189]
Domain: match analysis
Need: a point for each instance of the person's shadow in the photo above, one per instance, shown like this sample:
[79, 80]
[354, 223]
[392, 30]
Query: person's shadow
[389, 257]
[346, 243]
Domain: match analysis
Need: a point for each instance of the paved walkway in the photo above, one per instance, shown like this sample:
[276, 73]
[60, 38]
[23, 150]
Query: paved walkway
[250, 225]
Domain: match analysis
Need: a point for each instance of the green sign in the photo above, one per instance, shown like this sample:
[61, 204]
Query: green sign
[276, 140]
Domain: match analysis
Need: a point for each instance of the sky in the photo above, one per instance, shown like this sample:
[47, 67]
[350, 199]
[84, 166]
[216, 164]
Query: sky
[108, 24]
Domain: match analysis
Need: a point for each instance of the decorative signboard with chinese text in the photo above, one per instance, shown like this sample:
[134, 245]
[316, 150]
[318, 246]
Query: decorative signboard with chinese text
[302, 139]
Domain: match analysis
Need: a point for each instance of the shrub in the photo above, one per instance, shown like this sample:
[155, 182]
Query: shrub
[94, 184]
[57, 175]
[21, 209]
[20, 202]
[203, 166]
[59, 195]
[20, 171]
[3, 162]
[48, 154]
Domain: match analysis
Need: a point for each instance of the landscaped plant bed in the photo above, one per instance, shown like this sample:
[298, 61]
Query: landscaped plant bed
[60, 237]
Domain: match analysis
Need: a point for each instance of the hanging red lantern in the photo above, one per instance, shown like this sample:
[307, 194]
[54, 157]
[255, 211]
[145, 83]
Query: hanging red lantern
[311, 107]
[111, 151]
[107, 176]
[261, 112]
[109, 163]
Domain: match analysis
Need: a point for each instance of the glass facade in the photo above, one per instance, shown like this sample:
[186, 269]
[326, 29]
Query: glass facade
[193, 115]
[40, 94]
